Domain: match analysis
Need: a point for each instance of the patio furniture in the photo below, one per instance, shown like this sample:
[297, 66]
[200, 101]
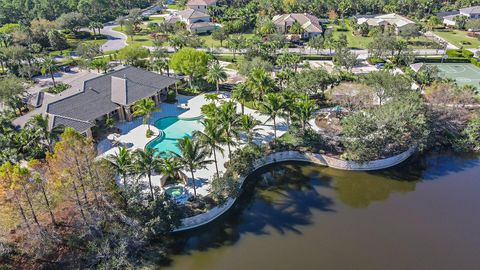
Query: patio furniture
[183, 106]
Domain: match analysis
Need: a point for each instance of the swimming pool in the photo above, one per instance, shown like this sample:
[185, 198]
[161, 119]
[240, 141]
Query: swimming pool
[172, 129]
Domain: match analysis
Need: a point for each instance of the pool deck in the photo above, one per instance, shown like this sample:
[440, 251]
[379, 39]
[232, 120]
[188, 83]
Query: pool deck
[133, 135]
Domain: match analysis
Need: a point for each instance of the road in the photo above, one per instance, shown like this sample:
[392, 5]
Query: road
[116, 40]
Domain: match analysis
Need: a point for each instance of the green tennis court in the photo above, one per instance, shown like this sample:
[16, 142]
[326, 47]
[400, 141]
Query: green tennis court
[462, 73]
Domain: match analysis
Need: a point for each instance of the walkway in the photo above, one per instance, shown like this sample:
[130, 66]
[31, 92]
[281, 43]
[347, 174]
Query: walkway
[133, 135]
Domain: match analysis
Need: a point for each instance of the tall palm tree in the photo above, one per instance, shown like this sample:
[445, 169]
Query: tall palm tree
[242, 94]
[145, 108]
[216, 74]
[122, 163]
[227, 116]
[272, 105]
[211, 136]
[194, 157]
[146, 163]
[247, 124]
[39, 125]
[259, 81]
[49, 66]
[304, 109]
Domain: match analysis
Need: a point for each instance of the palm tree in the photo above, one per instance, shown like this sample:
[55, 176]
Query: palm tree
[216, 74]
[39, 125]
[259, 81]
[49, 66]
[211, 136]
[242, 94]
[227, 116]
[247, 124]
[267, 28]
[145, 108]
[194, 157]
[296, 28]
[146, 163]
[303, 111]
[122, 163]
[272, 105]
[171, 167]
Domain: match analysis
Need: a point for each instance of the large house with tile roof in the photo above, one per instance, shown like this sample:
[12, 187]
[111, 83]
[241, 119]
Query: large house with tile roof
[196, 21]
[201, 5]
[111, 95]
[310, 24]
[449, 16]
[397, 21]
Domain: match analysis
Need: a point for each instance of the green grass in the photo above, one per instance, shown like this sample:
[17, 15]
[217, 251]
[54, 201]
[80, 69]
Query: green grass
[359, 42]
[139, 39]
[155, 19]
[174, 7]
[211, 43]
[457, 37]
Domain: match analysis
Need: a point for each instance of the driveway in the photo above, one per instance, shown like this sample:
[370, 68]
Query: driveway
[116, 40]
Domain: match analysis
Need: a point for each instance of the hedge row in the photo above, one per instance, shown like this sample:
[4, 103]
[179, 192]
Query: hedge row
[475, 62]
[439, 60]
[459, 53]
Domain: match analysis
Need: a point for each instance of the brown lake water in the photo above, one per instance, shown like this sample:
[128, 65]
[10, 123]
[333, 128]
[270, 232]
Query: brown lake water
[423, 214]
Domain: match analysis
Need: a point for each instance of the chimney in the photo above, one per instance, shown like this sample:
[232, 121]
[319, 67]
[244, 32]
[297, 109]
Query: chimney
[119, 90]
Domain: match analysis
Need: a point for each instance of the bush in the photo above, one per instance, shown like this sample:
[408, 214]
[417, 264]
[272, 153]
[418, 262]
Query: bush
[57, 89]
[373, 60]
[438, 59]
[149, 133]
[318, 57]
[171, 96]
[459, 53]
[475, 62]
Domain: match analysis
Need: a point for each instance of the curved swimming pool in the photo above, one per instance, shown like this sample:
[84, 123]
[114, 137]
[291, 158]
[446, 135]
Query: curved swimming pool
[172, 129]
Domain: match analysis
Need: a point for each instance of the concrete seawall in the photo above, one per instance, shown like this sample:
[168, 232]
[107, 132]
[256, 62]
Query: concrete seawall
[214, 213]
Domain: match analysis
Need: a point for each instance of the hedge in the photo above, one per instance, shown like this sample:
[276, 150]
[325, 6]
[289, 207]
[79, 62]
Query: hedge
[475, 62]
[459, 53]
[375, 60]
[318, 57]
[439, 60]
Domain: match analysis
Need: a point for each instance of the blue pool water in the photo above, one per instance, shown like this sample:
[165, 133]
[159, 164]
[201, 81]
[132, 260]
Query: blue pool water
[172, 129]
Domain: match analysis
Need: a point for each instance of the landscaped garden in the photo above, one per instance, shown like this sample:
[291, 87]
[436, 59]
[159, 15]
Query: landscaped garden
[459, 38]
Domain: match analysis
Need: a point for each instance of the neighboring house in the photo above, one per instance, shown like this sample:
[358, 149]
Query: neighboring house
[195, 21]
[385, 20]
[309, 23]
[111, 95]
[201, 5]
[449, 17]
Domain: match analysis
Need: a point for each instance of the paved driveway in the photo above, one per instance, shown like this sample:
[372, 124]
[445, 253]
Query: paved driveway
[116, 40]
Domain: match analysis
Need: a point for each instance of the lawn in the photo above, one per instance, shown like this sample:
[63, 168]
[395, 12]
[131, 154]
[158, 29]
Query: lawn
[359, 42]
[142, 40]
[211, 43]
[458, 38]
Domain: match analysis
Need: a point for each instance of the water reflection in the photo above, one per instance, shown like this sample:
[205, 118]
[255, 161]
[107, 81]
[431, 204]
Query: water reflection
[285, 199]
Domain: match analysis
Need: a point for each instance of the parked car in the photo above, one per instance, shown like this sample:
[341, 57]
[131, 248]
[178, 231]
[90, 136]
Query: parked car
[379, 65]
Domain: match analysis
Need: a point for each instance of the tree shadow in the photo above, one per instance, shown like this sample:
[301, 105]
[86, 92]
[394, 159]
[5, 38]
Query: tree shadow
[281, 198]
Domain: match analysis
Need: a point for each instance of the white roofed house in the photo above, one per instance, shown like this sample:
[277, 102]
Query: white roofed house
[201, 5]
[397, 21]
[449, 16]
[196, 21]
[310, 24]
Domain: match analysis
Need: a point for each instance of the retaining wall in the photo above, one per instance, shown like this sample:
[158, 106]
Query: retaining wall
[202, 219]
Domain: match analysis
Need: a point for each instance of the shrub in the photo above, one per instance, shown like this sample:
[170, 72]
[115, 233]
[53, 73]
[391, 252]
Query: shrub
[171, 96]
[149, 133]
[57, 89]
[373, 60]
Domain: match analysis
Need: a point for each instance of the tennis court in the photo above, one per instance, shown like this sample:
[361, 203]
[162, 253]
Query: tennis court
[463, 73]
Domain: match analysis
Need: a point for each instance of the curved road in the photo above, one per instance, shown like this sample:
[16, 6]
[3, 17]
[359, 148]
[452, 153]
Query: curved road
[116, 40]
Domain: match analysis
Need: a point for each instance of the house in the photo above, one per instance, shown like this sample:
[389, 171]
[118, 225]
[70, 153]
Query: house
[385, 20]
[449, 17]
[111, 95]
[201, 5]
[309, 23]
[195, 21]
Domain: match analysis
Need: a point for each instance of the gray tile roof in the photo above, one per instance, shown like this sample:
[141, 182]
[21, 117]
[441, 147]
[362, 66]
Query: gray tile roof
[96, 98]
[78, 125]
[470, 10]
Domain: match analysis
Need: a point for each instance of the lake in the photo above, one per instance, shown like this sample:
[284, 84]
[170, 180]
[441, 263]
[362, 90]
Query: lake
[422, 214]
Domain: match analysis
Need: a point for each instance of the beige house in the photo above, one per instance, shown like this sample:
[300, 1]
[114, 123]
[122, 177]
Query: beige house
[449, 16]
[392, 19]
[309, 23]
[195, 20]
[201, 5]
